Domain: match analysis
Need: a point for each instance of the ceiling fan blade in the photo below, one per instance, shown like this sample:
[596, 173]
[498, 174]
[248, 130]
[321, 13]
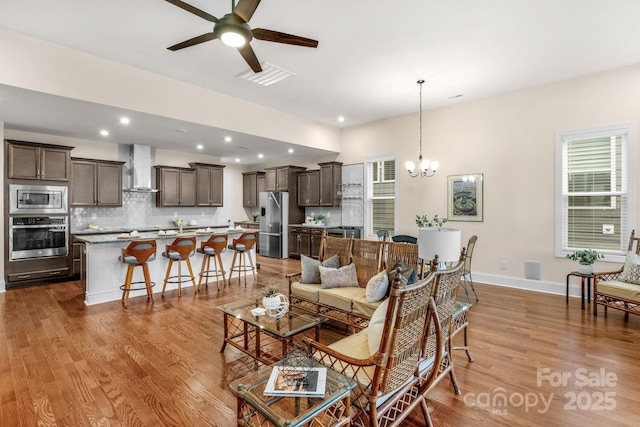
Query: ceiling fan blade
[278, 37]
[249, 55]
[201, 13]
[245, 9]
[194, 41]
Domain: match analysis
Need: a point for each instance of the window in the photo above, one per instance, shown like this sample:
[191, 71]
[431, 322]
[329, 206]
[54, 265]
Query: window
[595, 190]
[381, 189]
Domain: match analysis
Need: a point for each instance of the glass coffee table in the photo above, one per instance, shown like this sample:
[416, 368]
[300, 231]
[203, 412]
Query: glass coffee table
[263, 337]
[256, 409]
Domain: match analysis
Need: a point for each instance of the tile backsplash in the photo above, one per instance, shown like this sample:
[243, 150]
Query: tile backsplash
[139, 209]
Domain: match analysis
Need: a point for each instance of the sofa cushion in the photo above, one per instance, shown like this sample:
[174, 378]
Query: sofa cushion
[376, 324]
[308, 291]
[361, 307]
[339, 297]
[342, 277]
[616, 288]
[408, 275]
[377, 287]
[310, 272]
[631, 271]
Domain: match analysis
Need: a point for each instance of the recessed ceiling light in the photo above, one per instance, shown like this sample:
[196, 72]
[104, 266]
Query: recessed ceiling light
[125, 120]
[260, 156]
[341, 119]
[104, 132]
[181, 131]
[227, 139]
[290, 150]
[456, 96]
[199, 146]
[237, 160]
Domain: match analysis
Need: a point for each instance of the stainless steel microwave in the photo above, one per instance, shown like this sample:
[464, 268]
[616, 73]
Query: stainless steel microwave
[38, 199]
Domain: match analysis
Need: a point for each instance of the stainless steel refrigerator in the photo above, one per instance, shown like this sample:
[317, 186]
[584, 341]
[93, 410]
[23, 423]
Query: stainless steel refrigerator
[274, 224]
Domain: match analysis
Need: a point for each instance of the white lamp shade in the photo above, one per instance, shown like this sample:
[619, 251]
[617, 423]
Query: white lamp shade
[444, 242]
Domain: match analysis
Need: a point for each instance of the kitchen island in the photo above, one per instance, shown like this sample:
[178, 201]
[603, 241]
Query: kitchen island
[102, 273]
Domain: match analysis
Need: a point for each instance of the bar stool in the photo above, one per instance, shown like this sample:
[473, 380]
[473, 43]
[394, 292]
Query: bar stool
[212, 248]
[137, 254]
[180, 250]
[242, 250]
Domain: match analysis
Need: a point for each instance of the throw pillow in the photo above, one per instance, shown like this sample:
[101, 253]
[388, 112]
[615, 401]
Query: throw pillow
[343, 277]
[376, 324]
[377, 287]
[631, 270]
[408, 275]
[310, 272]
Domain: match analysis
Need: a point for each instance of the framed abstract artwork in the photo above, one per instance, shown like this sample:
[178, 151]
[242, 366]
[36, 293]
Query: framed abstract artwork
[464, 197]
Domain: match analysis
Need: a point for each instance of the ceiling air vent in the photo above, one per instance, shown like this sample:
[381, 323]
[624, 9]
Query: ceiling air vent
[270, 74]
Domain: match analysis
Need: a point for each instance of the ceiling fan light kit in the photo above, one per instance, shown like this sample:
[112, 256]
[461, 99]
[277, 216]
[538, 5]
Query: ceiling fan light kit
[233, 30]
[423, 164]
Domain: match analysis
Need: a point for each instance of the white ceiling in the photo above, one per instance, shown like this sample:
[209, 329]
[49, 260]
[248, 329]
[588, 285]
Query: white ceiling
[370, 54]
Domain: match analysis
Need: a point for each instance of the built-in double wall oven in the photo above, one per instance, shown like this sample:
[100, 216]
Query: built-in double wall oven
[38, 221]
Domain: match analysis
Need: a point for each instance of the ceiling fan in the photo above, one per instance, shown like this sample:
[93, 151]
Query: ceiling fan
[233, 30]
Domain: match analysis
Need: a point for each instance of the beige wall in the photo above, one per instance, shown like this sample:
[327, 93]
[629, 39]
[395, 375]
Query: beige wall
[510, 139]
[3, 235]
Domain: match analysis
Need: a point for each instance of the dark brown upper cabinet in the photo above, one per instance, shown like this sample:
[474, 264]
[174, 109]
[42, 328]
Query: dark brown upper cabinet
[36, 161]
[209, 184]
[176, 186]
[96, 182]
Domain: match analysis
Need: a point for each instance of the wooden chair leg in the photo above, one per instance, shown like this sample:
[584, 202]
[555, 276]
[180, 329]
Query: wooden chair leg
[127, 284]
[203, 268]
[221, 267]
[193, 279]
[166, 276]
[147, 280]
[233, 264]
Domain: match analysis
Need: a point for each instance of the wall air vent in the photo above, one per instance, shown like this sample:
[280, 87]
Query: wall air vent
[270, 74]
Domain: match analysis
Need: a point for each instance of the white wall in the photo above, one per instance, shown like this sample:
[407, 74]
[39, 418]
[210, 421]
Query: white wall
[510, 139]
[78, 75]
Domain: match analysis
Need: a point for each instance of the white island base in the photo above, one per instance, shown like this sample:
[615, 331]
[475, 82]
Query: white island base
[104, 274]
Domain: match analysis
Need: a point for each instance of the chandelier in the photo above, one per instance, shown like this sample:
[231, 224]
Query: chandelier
[423, 164]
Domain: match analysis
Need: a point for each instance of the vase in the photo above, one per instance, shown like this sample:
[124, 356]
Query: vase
[271, 303]
[179, 228]
[585, 269]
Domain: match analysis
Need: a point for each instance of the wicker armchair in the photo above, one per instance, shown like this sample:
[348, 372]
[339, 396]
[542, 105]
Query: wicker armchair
[388, 388]
[445, 293]
[466, 272]
[367, 255]
[610, 290]
[405, 252]
[336, 245]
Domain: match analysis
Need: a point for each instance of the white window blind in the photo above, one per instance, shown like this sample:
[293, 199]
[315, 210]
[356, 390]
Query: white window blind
[595, 192]
[381, 196]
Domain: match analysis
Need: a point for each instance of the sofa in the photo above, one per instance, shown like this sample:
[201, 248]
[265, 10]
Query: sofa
[351, 297]
[620, 289]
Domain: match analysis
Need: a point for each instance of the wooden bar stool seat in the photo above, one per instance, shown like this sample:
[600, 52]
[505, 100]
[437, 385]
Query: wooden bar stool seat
[212, 248]
[180, 250]
[138, 254]
[242, 253]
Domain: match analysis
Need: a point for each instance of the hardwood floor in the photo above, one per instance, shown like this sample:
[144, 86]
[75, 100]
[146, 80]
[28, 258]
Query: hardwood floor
[63, 363]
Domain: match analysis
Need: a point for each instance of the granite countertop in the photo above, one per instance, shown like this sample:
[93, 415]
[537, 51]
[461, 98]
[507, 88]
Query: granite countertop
[142, 228]
[114, 237]
[309, 225]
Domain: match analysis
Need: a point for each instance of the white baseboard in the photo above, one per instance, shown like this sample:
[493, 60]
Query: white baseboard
[531, 285]
[3, 286]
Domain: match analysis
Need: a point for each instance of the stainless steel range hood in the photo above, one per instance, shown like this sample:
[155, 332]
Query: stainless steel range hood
[140, 169]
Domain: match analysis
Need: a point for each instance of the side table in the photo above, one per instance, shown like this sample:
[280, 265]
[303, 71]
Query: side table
[583, 277]
[257, 410]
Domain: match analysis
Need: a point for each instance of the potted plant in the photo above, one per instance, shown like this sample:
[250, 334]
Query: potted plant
[585, 258]
[318, 218]
[271, 296]
[424, 221]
